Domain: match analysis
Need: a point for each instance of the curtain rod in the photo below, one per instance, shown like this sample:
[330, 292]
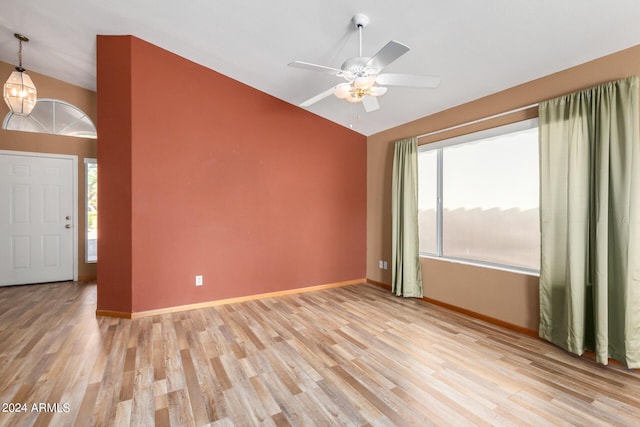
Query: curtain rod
[435, 132]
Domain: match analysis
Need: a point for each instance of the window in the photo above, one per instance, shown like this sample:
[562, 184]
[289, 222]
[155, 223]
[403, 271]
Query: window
[55, 117]
[478, 197]
[91, 210]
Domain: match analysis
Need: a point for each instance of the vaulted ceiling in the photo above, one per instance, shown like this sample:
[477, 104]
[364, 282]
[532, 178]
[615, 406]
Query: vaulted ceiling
[476, 47]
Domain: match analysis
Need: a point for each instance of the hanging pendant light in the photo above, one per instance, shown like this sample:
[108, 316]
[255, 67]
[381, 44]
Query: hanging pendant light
[20, 93]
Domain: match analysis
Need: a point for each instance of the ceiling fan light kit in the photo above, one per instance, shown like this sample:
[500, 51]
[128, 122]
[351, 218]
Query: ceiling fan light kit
[20, 93]
[363, 73]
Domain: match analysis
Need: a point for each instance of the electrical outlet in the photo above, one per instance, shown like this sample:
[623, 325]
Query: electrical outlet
[199, 281]
[384, 266]
[381, 264]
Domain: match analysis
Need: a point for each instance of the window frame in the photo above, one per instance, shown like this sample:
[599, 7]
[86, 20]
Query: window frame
[87, 162]
[458, 140]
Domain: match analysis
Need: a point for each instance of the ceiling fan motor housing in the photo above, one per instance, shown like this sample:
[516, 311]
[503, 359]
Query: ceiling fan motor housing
[356, 67]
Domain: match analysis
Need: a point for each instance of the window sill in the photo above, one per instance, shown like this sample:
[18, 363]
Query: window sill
[482, 264]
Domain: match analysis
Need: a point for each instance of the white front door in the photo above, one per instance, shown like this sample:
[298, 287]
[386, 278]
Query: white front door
[36, 218]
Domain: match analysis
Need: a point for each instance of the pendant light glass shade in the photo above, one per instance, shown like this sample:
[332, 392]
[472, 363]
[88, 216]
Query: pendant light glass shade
[20, 93]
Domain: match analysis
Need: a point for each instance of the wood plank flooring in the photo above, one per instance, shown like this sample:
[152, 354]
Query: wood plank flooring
[347, 356]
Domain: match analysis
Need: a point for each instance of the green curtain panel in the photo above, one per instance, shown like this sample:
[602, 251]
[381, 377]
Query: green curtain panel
[406, 274]
[589, 192]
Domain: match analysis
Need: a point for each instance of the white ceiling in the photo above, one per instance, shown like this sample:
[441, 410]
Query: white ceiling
[477, 47]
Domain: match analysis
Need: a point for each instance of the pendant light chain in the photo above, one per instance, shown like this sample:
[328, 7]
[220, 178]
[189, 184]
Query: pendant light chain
[21, 39]
[20, 53]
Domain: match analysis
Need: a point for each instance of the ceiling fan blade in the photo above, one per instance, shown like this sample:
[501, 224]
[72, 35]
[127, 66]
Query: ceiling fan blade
[315, 67]
[318, 97]
[370, 103]
[410, 80]
[385, 56]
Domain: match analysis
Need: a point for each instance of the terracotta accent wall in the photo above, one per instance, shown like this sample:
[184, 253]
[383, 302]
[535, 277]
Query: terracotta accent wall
[218, 180]
[55, 144]
[115, 171]
[505, 296]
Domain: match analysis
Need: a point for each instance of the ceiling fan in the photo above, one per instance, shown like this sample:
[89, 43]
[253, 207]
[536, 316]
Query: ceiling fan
[362, 73]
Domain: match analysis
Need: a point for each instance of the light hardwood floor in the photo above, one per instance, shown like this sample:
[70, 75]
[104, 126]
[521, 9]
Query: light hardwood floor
[347, 356]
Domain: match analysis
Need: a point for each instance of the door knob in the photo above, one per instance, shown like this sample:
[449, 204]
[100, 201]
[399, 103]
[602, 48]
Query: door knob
[67, 217]
[67, 226]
